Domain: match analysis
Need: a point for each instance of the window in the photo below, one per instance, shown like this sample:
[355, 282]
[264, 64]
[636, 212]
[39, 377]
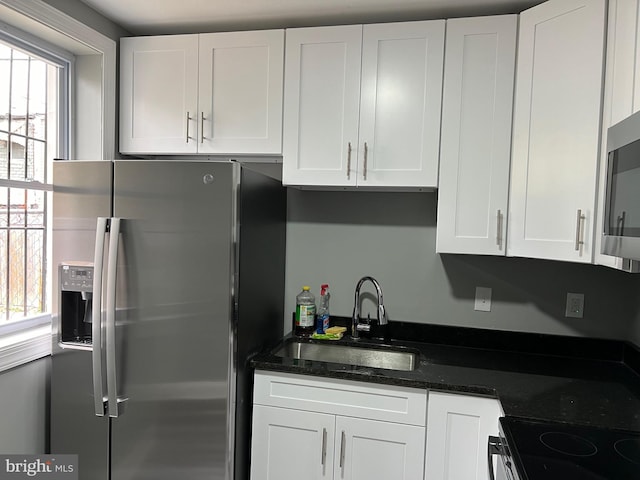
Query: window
[33, 113]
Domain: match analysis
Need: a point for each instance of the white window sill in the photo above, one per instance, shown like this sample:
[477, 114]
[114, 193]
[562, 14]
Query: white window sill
[23, 342]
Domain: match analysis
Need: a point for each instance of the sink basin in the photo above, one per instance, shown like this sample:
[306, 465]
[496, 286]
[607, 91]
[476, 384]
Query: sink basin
[351, 355]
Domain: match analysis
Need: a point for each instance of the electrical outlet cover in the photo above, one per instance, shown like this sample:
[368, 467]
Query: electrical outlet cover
[483, 299]
[575, 305]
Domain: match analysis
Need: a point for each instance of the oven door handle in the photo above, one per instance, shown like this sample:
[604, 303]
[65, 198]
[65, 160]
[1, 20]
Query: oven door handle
[494, 447]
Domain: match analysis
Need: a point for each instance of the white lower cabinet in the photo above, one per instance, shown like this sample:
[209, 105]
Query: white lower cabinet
[291, 444]
[368, 449]
[458, 429]
[311, 428]
[316, 428]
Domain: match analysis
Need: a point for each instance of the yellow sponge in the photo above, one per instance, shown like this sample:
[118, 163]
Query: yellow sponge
[334, 330]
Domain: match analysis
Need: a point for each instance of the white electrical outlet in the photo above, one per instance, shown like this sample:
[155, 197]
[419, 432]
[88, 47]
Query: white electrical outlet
[483, 299]
[575, 305]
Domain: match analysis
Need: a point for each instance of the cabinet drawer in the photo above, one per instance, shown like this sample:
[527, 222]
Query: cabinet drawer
[341, 397]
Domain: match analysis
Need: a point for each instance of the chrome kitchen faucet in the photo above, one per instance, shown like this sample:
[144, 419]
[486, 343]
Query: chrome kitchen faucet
[356, 326]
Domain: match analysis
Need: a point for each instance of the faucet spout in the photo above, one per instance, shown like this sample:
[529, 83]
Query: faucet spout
[383, 318]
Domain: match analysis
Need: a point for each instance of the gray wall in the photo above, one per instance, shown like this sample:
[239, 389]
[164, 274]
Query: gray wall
[24, 399]
[337, 237]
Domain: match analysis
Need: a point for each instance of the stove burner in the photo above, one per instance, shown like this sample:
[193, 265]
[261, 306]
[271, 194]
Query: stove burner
[629, 449]
[568, 444]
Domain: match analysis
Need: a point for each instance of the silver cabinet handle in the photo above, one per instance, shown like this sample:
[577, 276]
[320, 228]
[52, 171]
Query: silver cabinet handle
[579, 219]
[342, 448]
[99, 399]
[364, 168]
[620, 223]
[201, 127]
[349, 161]
[493, 448]
[188, 120]
[110, 333]
[499, 230]
[323, 456]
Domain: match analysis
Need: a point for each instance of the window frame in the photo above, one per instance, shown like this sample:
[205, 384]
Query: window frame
[64, 62]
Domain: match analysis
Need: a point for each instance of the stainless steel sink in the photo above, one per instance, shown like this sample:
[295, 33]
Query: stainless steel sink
[351, 355]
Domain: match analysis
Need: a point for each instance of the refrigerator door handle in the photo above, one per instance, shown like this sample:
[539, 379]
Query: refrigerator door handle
[99, 398]
[110, 333]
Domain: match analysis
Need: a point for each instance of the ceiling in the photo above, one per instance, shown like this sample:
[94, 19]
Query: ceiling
[190, 16]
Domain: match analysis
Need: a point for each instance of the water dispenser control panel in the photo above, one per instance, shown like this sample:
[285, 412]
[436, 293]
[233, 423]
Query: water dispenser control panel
[76, 278]
[76, 305]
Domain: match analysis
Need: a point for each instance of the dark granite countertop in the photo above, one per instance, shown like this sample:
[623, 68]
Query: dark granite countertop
[544, 377]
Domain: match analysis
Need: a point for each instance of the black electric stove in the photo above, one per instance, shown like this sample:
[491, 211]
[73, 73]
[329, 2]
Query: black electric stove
[557, 451]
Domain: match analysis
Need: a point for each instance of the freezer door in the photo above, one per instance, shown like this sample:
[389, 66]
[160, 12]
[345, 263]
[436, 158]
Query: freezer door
[81, 192]
[173, 298]
[75, 429]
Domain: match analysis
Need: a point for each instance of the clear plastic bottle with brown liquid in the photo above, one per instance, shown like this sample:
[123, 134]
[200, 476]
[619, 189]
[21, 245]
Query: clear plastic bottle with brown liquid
[305, 313]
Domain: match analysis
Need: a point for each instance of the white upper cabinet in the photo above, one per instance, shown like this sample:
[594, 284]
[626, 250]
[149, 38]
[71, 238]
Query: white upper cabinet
[158, 94]
[217, 93]
[475, 148]
[400, 102]
[240, 85]
[556, 130]
[321, 102]
[621, 98]
[362, 105]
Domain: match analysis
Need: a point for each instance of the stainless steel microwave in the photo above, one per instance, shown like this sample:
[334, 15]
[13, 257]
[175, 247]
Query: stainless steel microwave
[621, 230]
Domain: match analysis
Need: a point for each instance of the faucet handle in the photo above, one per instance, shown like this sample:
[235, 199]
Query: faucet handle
[363, 327]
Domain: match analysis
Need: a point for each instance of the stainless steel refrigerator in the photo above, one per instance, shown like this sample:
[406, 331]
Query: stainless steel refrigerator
[185, 264]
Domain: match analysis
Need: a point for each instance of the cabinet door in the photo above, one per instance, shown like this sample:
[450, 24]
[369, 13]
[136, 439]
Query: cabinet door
[459, 427]
[321, 101]
[475, 153]
[240, 92]
[291, 444]
[373, 450]
[158, 94]
[400, 104]
[556, 130]
[621, 99]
